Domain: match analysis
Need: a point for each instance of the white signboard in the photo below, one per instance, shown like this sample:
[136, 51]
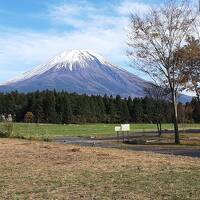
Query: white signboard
[117, 128]
[125, 127]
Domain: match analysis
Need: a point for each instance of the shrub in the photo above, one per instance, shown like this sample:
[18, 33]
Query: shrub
[4, 134]
[136, 141]
[8, 127]
[29, 117]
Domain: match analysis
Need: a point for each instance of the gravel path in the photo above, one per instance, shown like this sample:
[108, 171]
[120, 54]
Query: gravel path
[164, 149]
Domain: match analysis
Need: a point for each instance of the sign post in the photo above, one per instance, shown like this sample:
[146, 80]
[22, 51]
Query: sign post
[117, 129]
[124, 128]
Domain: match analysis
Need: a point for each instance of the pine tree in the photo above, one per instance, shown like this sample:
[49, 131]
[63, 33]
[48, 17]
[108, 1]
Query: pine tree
[67, 111]
[50, 107]
[125, 115]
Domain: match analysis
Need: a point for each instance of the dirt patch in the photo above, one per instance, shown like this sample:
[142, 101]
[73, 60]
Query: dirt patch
[39, 170]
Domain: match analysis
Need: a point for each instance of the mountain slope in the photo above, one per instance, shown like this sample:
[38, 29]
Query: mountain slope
[79, 71]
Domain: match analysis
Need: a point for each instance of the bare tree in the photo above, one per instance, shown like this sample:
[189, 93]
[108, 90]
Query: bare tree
[158, 94]
[153, 41]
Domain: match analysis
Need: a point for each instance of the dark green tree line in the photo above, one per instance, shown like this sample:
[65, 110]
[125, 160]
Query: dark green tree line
[64, 108]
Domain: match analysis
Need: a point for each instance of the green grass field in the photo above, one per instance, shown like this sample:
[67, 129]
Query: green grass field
[86, 130]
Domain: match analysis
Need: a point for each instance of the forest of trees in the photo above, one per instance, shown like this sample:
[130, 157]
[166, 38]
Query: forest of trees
[65, 108]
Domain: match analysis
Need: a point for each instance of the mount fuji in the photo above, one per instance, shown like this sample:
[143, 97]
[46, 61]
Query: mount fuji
[79, 71]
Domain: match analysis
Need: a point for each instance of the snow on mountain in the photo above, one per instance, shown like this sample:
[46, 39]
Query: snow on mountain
[68, 60]
[79, 71]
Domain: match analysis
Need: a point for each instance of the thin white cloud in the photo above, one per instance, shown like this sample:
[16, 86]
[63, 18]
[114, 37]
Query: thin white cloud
[101, 30]
[66, 13]
[127, 6]
[21, 50]
[83, 15]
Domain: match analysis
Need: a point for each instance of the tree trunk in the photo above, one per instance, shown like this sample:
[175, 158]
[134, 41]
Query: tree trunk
[160, 128]
[197, 93]
[175, 112]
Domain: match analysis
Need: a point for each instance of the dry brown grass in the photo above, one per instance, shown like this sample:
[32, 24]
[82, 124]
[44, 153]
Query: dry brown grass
[39, 170]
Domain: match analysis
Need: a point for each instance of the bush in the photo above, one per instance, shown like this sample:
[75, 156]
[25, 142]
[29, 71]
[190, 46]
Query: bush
[8, 129]
[29, 117]
[4, 134]
[136, 141]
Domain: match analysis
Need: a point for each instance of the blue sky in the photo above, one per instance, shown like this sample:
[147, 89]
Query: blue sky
[32, 31]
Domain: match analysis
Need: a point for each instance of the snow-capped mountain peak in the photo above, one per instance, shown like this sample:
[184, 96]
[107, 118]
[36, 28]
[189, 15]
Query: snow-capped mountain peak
[72, 59]
[69, 60]
[81, 71]
[77, 56]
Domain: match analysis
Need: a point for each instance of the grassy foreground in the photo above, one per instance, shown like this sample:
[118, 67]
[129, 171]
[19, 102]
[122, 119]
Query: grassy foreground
[47, 130]
[39, 170]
